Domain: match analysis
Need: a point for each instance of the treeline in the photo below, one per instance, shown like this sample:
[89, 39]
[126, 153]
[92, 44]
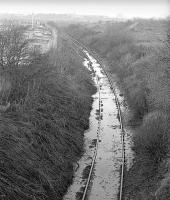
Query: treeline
[45, 106]
[142, 64]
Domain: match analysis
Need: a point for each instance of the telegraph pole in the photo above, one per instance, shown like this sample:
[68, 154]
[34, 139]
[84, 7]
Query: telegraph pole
[32, 20]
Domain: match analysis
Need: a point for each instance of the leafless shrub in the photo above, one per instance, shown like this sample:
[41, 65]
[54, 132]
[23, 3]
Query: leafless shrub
[152, 138]
[41, 135]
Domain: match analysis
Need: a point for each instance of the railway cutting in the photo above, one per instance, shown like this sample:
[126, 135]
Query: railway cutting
[100, 172]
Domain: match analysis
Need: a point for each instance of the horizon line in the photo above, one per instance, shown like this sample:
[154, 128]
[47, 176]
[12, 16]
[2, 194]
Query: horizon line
[85, 15]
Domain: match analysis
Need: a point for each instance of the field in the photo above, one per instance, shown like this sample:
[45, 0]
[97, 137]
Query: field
[40, 38]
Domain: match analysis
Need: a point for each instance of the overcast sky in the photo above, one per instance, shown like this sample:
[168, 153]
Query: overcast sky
[121, 8]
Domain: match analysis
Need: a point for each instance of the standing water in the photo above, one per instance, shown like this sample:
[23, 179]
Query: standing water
[104, 128]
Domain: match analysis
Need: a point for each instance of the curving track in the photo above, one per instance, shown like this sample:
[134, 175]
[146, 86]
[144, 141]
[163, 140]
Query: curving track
[122, 139]
[95, 185]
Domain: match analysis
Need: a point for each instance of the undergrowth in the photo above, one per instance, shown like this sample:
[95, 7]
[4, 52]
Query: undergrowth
[41, 133]
[140, 59]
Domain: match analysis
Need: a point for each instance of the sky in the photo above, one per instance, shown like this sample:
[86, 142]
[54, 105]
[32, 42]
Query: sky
[111, 8]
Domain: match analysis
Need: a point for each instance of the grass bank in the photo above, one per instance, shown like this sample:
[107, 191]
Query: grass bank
[138, 52]
[41, 133]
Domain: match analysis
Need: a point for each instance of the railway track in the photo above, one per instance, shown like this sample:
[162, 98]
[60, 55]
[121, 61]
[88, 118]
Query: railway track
[82, 48]
[122, 131]
[95, 151]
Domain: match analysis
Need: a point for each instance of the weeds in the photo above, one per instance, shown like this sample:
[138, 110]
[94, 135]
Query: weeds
[41, 134]
[141, 62]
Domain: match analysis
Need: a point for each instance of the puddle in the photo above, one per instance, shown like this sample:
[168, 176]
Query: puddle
[106, 174]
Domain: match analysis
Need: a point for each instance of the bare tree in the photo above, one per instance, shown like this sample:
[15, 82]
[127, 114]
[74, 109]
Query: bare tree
[13, 46]
[13, 53]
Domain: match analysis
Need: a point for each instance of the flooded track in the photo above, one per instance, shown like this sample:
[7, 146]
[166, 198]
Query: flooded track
[99, 175]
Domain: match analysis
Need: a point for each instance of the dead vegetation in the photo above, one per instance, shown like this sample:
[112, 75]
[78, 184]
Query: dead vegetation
[138, 52]
[41, 133]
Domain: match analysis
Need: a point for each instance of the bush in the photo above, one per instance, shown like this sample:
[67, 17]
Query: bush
[135, 53]
[163, 192]
[41, 134]
[152, 138]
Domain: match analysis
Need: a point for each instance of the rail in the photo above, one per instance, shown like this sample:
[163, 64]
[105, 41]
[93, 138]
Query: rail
[83, 47]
